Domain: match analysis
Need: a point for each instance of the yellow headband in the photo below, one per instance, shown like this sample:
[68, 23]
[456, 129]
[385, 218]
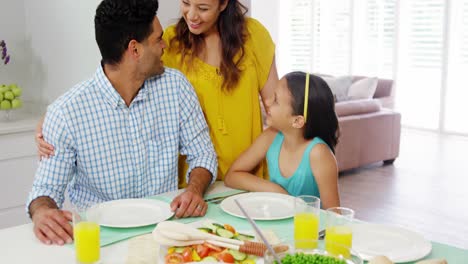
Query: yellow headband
[306, 97]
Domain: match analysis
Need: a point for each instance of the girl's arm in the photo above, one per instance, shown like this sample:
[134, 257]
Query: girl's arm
[325, 169]
[240, 174]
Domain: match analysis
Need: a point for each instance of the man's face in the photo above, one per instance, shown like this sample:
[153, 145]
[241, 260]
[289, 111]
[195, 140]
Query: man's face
[151, 63]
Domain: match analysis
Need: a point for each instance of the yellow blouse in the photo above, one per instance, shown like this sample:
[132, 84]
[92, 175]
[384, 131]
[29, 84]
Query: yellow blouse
[234, 118]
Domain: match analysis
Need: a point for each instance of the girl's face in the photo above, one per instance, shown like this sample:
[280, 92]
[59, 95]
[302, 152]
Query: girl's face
[201, 16]
[280, 112]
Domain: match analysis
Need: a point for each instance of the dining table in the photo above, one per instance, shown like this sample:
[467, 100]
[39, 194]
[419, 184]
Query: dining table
[18, 244]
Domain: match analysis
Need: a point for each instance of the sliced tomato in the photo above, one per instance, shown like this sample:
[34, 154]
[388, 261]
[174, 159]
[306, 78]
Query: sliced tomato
[187, 254]
[229, 228]
[213, 247]
[174, 258]
[225, 257]
[213, 254]
[202, 250]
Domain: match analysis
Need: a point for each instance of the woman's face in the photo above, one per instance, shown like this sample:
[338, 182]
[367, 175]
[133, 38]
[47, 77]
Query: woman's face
[201, 16]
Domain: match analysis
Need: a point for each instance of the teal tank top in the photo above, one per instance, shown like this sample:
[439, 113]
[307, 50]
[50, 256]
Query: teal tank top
[302, 182]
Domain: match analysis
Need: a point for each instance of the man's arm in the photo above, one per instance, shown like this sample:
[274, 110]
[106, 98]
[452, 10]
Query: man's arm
[40, 203]
[190, 202]
[196, 144]
[51, 225]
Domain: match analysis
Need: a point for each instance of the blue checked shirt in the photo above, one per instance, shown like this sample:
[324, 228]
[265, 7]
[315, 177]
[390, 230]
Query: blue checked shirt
[105, 150]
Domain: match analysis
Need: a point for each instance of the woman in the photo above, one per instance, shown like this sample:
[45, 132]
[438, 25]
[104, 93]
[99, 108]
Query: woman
[229, 59]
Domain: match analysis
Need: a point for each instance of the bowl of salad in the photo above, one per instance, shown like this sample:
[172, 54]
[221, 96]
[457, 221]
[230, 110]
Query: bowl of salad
[313, 253]
[209, 253]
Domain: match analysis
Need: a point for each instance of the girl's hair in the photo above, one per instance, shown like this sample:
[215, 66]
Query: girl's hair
[321, 117]
[231, 28]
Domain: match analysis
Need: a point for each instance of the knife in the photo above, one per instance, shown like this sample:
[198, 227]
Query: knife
[221, 198]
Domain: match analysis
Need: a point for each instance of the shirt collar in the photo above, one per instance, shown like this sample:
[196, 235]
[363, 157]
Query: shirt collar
[111, 94]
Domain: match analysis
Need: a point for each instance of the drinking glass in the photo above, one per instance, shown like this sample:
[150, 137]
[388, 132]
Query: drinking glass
[86, 235]
[338, 230]
[306, 221]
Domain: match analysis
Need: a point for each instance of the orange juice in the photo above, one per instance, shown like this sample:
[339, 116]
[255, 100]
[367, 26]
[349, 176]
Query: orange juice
[86, 242]
[306, 230]
[339, 240]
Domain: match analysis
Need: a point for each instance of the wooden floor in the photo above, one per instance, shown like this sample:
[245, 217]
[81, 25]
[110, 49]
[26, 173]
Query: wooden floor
[425, 190]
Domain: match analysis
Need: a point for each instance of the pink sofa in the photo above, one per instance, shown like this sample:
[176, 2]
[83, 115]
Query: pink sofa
[369, 129]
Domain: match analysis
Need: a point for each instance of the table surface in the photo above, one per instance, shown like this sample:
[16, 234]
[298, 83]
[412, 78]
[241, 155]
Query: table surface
[19, 245]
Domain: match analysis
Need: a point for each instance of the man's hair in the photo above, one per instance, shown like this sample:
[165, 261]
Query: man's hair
[117, 22]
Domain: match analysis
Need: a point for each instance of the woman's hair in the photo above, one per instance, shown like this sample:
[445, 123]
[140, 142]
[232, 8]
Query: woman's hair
[231, 28]
[117, 22]
[321, 117]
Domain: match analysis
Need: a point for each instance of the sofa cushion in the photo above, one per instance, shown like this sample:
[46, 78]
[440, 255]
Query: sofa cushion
[357, 107]
[363, 88]
[339, 86]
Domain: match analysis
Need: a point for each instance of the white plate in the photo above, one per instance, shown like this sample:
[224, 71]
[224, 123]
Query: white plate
[130, 212]
[398, 244]
[260, 205]
[201, 223]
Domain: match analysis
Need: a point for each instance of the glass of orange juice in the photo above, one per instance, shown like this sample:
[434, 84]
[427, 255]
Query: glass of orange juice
[86, 233]
[306, 221]
[339, 235]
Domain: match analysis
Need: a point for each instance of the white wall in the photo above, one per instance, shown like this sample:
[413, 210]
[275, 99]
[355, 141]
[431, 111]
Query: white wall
[168, 12]
[62, 40]
[269, 17]
[60, 34]
[12, 30]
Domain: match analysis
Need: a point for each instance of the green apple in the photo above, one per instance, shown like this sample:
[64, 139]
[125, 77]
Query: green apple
[5, 105]
[1, 97]
[16, 91]
[4, 88]
[16, 103]
[9, 95]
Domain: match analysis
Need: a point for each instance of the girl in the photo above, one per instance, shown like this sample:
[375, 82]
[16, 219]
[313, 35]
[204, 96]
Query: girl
[298, 146]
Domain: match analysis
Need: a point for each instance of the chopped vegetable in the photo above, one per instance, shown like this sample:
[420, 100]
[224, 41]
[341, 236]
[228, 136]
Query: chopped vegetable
[207, 252]
[205, 229]
[230, 228]
[218, 225]
[224, 233]
[174, 258]
[209, 259]
[244, 237]
[237, 254]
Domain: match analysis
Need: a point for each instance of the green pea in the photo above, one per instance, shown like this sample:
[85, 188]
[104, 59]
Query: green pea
[301, 258]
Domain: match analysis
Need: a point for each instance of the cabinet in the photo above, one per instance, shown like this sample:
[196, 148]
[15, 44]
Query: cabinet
[18, 163]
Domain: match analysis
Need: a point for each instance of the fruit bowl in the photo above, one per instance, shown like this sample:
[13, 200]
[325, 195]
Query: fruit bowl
[9, 100]
[7, 115]
[316, 255]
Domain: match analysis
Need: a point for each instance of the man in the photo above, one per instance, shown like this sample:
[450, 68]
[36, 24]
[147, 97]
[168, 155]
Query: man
[119, 134]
